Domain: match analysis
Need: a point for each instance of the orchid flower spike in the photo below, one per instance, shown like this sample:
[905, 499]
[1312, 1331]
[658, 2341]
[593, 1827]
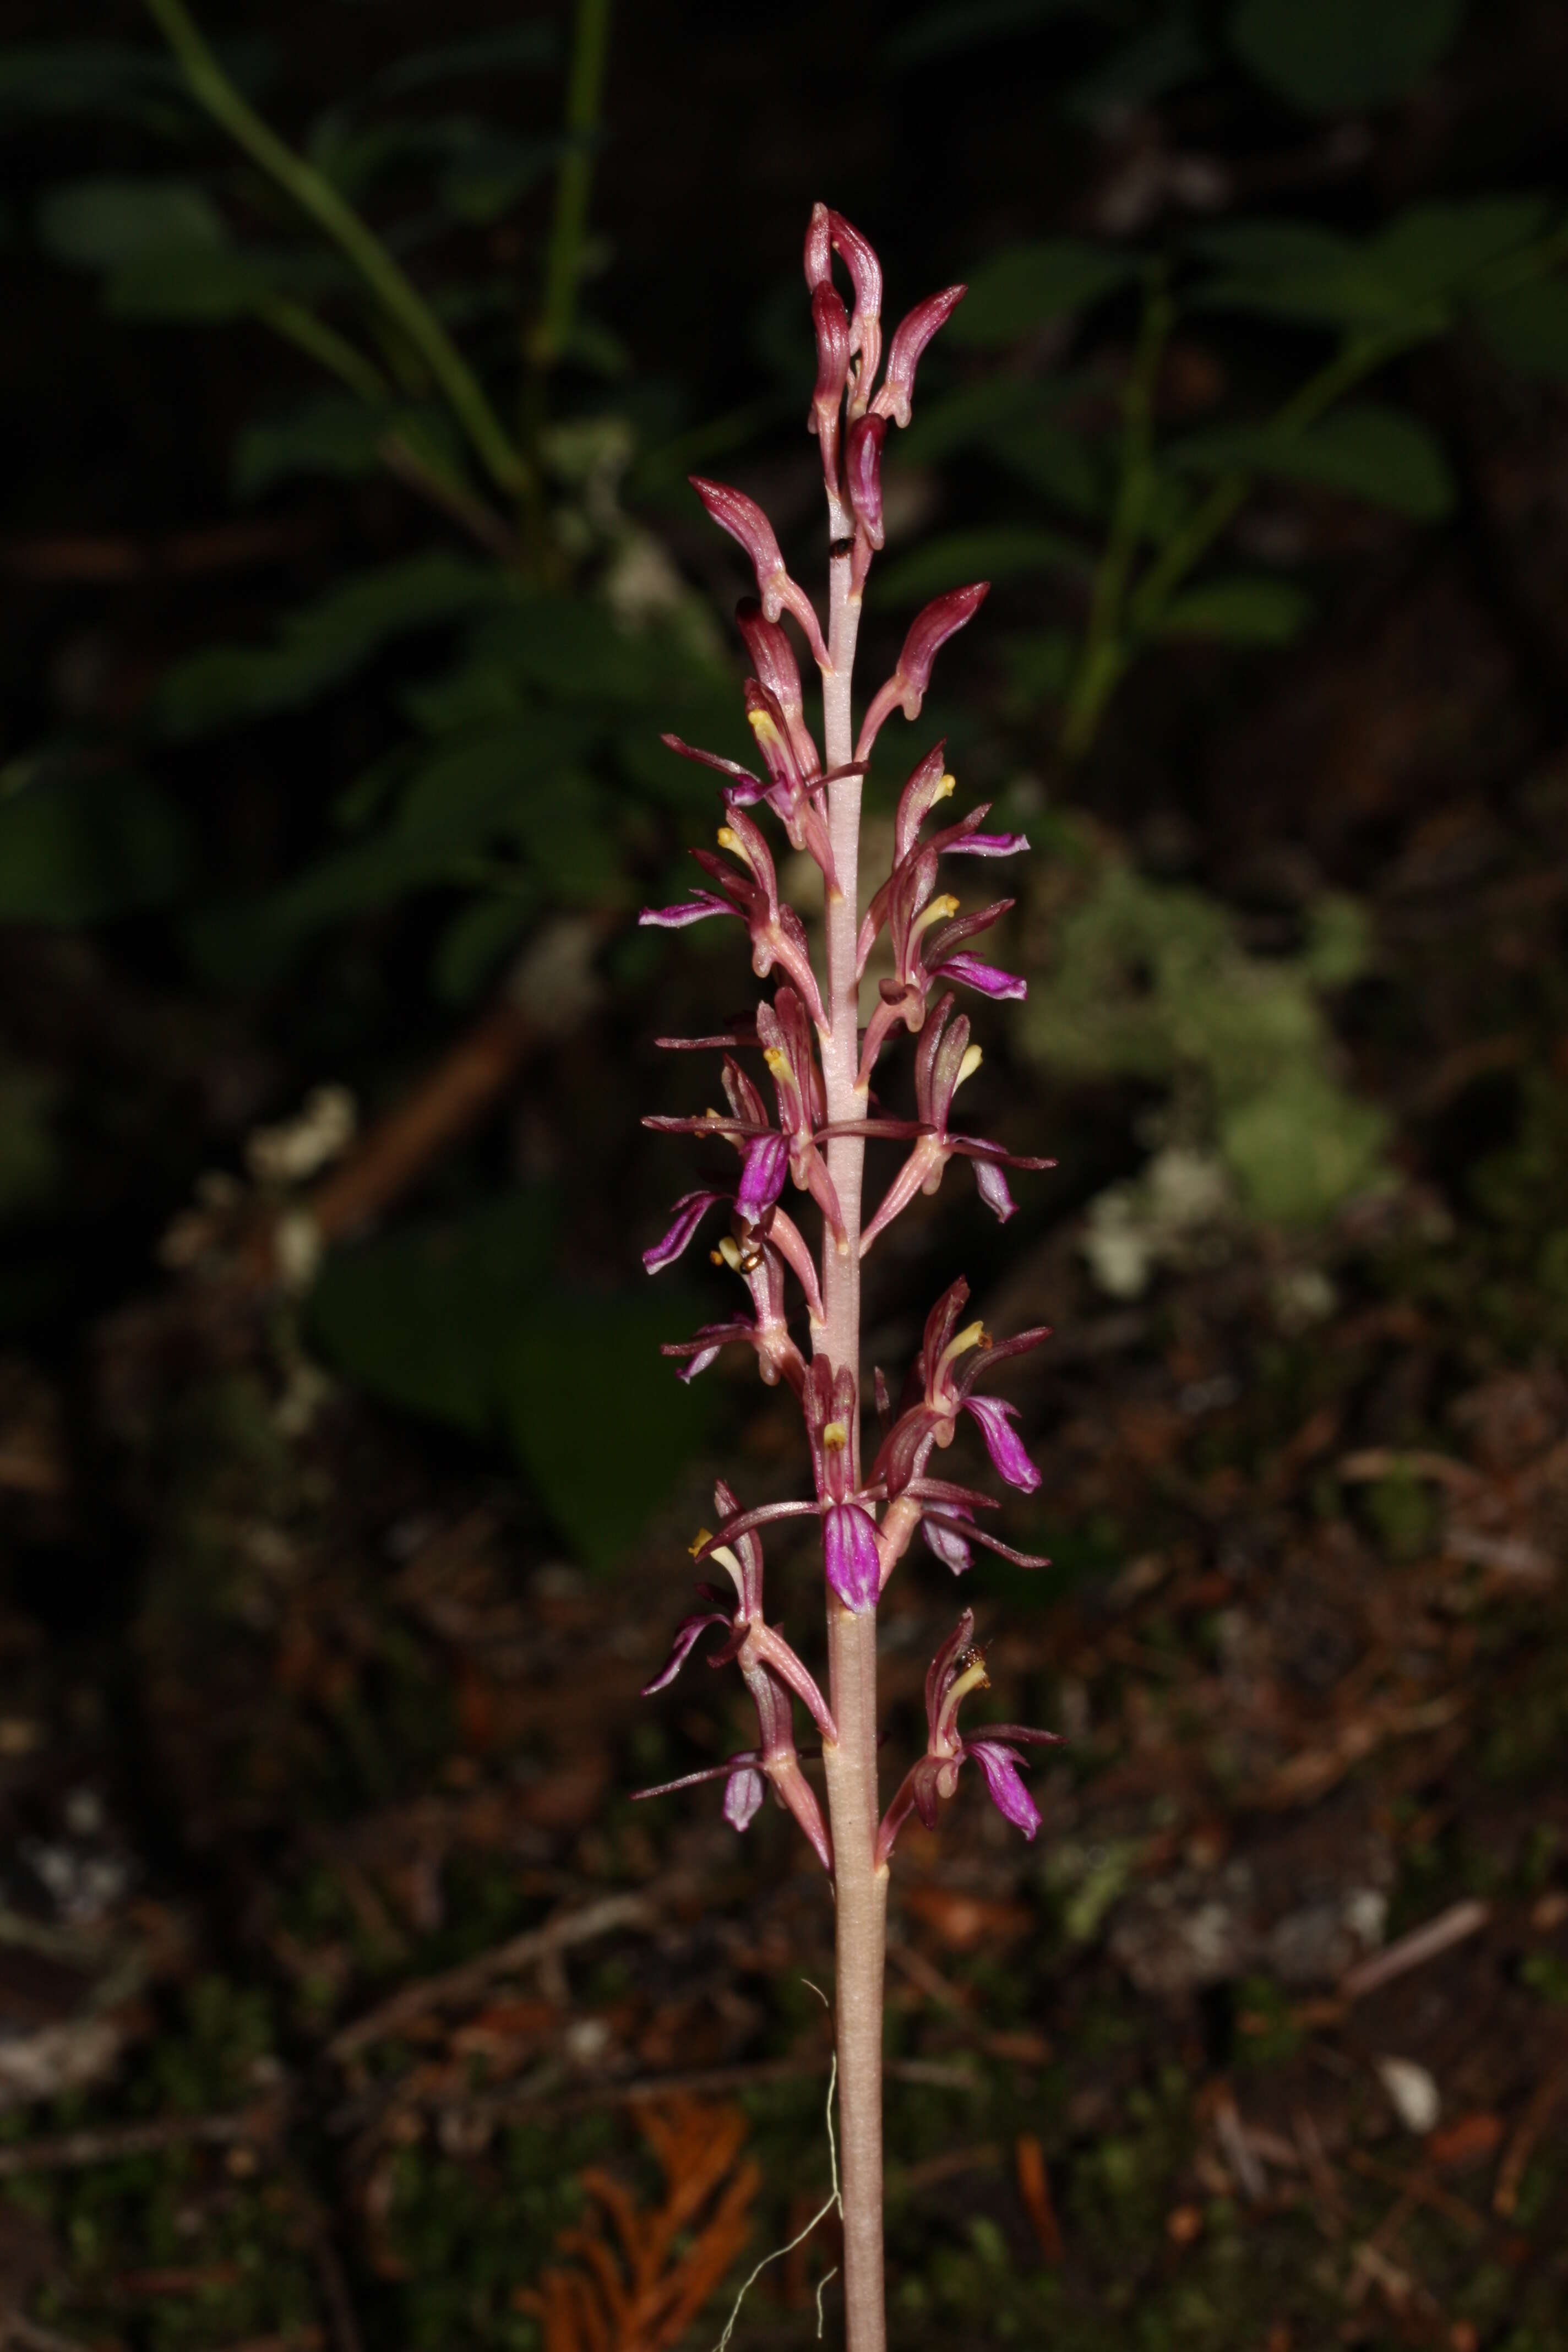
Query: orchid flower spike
[796, 1070]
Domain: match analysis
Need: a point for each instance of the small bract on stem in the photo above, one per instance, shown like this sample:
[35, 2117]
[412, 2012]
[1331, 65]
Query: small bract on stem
[812, 1137]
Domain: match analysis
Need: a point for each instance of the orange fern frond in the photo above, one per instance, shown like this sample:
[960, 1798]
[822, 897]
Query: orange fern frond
[636, 2277]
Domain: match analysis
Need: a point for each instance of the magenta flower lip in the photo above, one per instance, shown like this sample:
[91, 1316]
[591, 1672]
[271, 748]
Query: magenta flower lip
[849, 1548]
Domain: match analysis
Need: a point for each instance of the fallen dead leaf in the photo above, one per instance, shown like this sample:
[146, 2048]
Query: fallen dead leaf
[962, 1921]
[1466, 2140]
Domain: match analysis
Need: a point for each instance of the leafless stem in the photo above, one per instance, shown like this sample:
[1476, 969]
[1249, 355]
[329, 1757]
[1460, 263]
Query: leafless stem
[860, 1887]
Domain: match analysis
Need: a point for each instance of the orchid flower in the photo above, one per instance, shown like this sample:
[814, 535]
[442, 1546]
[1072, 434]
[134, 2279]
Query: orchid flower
[957, 1669]
[771, 1671]
[944, 1059]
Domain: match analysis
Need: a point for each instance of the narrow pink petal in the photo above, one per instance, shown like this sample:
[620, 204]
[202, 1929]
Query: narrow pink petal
[695, 1779]
[1008, 1794]
[1002, 1440]
[690, 1631]
[992, 1186]
[692, 910]
[747, 787]
[985, 977]
[743, 1796]
[982, 844]
[689, 1211]
[762, 1177]
[948, 1544]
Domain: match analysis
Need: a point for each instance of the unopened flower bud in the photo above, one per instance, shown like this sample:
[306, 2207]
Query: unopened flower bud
[866, 277]
[831, 320]
[773, 659]
[910, 340]
[819, 247]
[929, 632]
[744, 520]
[863, 474]
[828, 233]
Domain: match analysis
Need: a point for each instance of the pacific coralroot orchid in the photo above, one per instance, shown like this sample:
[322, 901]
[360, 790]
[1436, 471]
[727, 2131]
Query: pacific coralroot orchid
[812, 1136]
[957, 1669]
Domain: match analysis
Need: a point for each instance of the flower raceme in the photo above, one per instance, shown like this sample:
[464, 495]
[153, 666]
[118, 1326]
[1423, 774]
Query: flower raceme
[865, 1522]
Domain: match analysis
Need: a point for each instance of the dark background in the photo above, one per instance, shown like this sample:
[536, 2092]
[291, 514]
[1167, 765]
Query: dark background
[326, 1607]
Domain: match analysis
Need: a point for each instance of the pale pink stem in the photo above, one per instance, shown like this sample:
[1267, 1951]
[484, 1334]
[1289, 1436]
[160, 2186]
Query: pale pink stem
[854, 1807]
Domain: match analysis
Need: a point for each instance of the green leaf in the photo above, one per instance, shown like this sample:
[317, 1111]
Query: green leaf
[492, 175]
[597, 1416]
[520, 48]
[425, 1316]
[1528, 328]
[112, 79]
[194, 284]
[1245, 611]
[1064, 467]
[1287, 269]
[1436, 249]
[320, 645]
[967, 24]
[1009, 551]
[1039, 668]
[1274, 249]
[1300, 1145]
[501, 776]
[104, 223]
[1374, 452]
[332, 434]
[973, 416]
[1146, 68]
[1328, 55]
[473, 943]
[1023, 287]
[573, 648]
[81, 849]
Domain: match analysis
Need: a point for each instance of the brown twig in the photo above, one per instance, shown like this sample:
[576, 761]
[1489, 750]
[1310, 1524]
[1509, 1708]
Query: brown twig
[1413, 1951]
[1417, 2188]
[335, 2293]
[84, 560]
[481, 522]
[1521, 2147]
[557, 1934]
[551, 992]
[108, 2142]
[1034, 2189]
[20, 2333]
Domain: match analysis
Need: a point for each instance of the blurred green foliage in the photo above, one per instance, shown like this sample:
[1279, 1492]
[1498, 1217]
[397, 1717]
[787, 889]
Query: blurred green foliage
[1150, 981]
[466, 1320]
